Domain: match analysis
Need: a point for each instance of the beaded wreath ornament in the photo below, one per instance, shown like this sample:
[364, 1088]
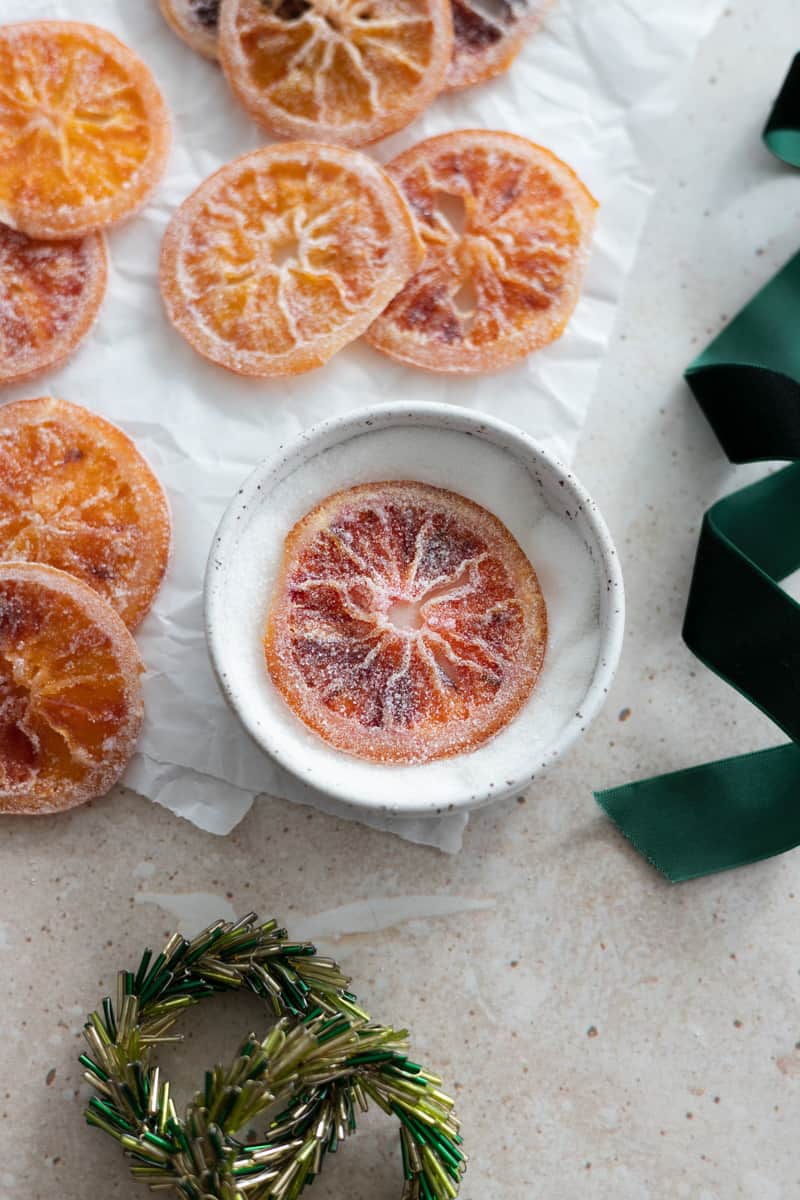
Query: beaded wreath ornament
[322, 1061]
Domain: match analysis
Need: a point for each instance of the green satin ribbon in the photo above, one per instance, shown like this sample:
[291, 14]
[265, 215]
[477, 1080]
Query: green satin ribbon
[739, 621]
[782, 131]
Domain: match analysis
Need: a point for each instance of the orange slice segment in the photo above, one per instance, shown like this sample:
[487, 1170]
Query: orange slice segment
[507, 228]
[346, 71]
[76, 494]
[50, 294]
[196, 22]
[488, 35]
[70, 695]
[84, 132]
[406, 625]
[284, 256]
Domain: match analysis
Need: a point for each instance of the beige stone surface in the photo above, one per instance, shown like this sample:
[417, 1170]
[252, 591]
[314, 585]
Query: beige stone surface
[607, 1035]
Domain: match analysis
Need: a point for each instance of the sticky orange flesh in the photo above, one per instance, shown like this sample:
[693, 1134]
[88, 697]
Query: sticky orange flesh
[84, 132]
[76, 495]
[506, 228]
[406, 625]
[70, 698]
[285, 255]
[50, 294]
[342, 71]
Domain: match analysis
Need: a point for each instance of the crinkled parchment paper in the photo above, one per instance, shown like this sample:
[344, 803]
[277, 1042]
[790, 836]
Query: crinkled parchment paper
[594, 85]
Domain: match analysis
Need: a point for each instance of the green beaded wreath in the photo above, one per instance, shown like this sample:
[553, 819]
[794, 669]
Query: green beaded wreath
[321, 1062]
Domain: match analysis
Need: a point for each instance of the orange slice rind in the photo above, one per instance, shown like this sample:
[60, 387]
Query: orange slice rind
[75, 494]
[70, 694]
[50, 295]
[196, 21]
[406, 624]
[286, 255]
[84, 132]
[488, 35]
[507, 228]
[343, 71]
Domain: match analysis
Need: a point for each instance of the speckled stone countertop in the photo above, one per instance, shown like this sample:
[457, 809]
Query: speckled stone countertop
[607, 1035]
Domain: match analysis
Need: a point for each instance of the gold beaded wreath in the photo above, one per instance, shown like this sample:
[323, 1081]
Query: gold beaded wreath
[321, 1062]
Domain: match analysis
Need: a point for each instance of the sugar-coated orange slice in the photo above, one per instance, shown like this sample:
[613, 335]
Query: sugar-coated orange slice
[344, 71]
[50, 294]
[507, 228]
[70, 694]
[76, 494]
[406, 624]
[488, 35]
[84, 132]
[285, 255]
[195, 21]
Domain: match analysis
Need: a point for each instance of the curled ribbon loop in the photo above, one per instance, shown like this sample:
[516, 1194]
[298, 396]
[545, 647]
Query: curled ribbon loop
[739, 621]
[782, 131]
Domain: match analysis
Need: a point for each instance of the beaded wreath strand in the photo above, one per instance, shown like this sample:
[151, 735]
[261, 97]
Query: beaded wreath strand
[321, 1062]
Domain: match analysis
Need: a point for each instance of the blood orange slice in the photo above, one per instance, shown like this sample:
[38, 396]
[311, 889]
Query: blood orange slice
[70, 695]
[507, 228]
[345, 71]
[196, 22]
[84, 133]
[76, 494]
[284, 256]
[50, 294]
[488, 35]
[406, 625]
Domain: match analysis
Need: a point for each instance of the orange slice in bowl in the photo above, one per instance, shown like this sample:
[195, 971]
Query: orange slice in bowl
[50, 294]
[344, 71]
[285, 255]
[507, 228]
[70, 694]
[488, 35]
[84, 132]
[196, 22]
[406, 625]
[76, 494]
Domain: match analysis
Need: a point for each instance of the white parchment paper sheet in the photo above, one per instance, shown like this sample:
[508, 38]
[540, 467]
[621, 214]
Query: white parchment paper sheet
[593, 85]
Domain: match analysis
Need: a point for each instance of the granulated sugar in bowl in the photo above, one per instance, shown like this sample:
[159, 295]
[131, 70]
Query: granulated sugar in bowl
[556, 524]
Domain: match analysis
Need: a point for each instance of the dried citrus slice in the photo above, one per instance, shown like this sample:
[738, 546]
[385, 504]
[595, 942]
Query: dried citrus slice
[76, 494]
[50, 294]
[488, 35]
[196, 22]
[84, 132]
[70, 695]
[285, 255]
[507, 228]
[346, 71]
[406, 625]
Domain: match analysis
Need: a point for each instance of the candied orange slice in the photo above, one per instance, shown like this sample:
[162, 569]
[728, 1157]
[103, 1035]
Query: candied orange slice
[50, 294]
[84, 132]
[284, 256]
[346, 71]
[76, 494]
[488, 35]
[196, 22]
[507, 228]
[406, 624]
[70, 694]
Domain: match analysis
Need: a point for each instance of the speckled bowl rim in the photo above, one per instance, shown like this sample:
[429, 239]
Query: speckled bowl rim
[579, 506]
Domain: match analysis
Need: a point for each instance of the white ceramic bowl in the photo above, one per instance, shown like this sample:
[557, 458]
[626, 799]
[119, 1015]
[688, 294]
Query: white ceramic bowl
[498, 466]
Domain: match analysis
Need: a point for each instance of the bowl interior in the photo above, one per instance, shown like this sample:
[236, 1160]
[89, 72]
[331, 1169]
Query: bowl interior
[557, 526]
